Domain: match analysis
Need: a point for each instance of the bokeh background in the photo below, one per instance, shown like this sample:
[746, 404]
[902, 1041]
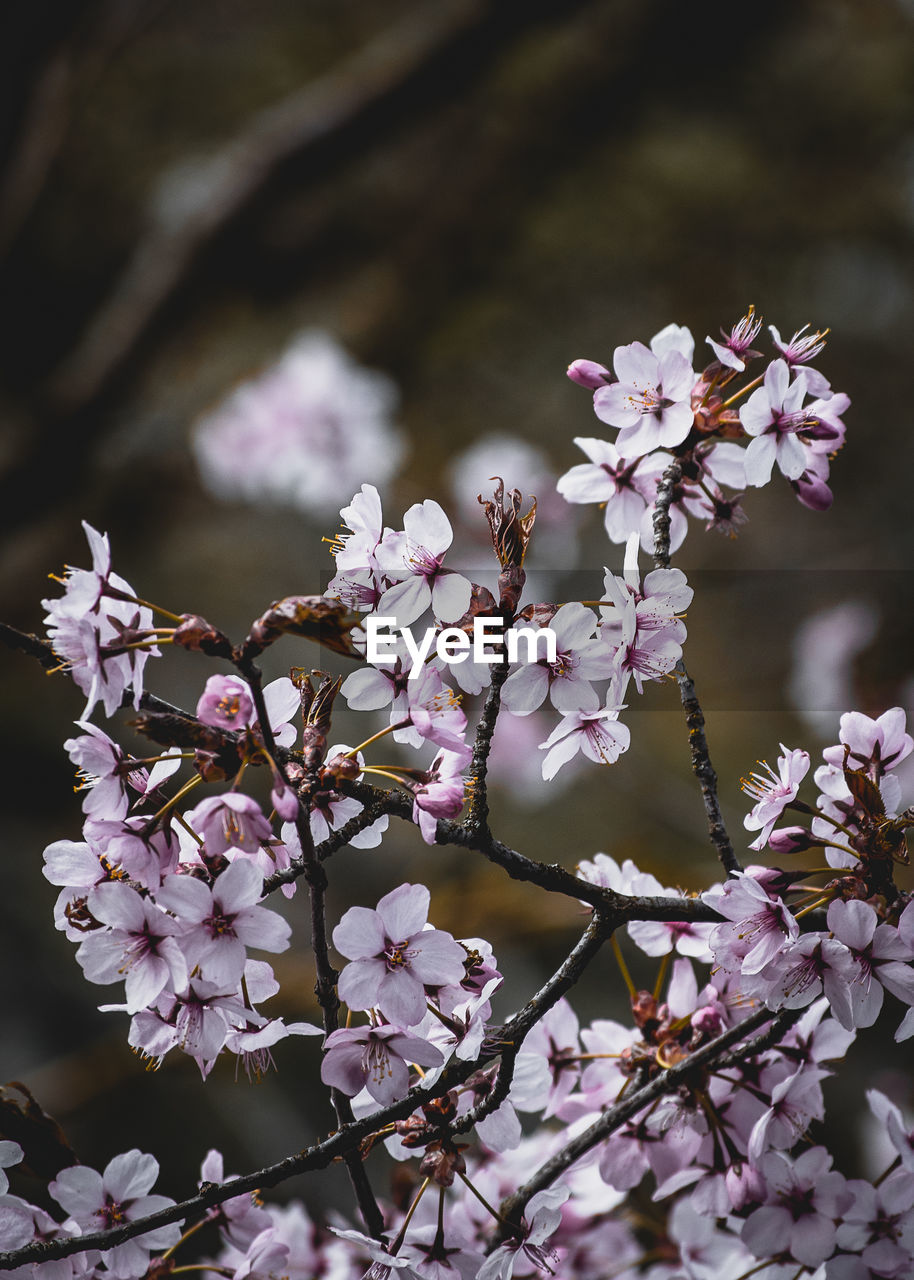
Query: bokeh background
[465, 194]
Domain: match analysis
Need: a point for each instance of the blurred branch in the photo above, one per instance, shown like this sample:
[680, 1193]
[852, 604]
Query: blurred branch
[194, 204]
[67, 71]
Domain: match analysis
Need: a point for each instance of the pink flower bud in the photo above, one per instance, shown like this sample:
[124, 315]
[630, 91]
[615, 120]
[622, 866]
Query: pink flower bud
[792, 840]
[587, 373]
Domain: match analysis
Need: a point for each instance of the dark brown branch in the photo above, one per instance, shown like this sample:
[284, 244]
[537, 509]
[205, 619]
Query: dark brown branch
[326, 974]
[336, 840]
[600, 930]
[695, 721]
[478, 817]
[709, 1055]
[704, 770]
[349, 1137]
[552, 876]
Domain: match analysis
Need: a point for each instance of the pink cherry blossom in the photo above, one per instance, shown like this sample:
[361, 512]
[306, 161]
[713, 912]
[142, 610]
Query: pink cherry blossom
[121, 1194]
[394, 955]
[736, 347]
[758, 925]
[805, 1202]
[651, 402]
[772, 416]
[442, 794]
[774, 793]
[598, 734]
[626, 486]
[230, 821]
[541, 1219]
[224, 920]
[375, 1058]
[139, 945]
[417, 558]
[580, 658]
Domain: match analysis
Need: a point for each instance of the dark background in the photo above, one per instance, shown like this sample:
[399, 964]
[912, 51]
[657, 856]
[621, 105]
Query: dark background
[468, 195]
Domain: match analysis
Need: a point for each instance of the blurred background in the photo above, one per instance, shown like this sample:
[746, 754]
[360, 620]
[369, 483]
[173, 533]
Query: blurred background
[414, 215]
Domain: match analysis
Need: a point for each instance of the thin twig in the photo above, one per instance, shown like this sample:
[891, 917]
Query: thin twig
[478, 817]
[346, 1139]
[695, 721]
[600, 929]
[326, 974]
[711, 1054]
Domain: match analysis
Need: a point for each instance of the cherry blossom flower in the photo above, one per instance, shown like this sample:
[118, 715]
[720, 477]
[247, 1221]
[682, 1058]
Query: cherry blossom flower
[876, 745]
[105, 772]
[442, 794]
[879, 959]
[417, 557]
[772, 415]
[138, 945]
[805, 1199]
[224, 920]
[375, 1058]
[434, 713]
[736, 347]
[393, 955]
[555, 1038]
[240, 1219]
[651, 402]
[877, 1229]
[541, 1219]
[794, 1102]
[579, 659]
[774, 793]
[626, 486]
[598, 734]
[232, 820]
[799, 351]
[120, 1194]
[82, 629]
[758, 925]
[226, 703]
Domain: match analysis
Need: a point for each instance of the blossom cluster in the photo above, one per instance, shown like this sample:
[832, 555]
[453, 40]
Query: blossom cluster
[665, 411]
[675, 1134]
[633, 631]
[868, 944]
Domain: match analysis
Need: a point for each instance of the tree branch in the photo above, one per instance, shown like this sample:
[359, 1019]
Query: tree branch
[478, 816]
[711, 1054]
[349, 1137]
[695, 721]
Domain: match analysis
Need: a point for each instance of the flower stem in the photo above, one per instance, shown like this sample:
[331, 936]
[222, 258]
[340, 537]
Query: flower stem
[661, 975]
[401, 1234]
[374, 738]
[738, 395]
[623, 967]
[483, 1201]
[178, 796]
[185, 1236]
[814, 906]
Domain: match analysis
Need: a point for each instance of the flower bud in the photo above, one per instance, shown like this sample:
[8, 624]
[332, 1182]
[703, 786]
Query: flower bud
[589, 374]
[793, 840]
